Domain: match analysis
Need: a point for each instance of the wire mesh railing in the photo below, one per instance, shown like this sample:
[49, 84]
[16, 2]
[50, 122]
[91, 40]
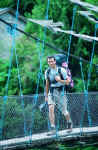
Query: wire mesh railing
[36, 117]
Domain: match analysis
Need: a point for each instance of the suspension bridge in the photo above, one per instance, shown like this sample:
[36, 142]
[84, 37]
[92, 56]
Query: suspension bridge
[24, 124]
[29, 126]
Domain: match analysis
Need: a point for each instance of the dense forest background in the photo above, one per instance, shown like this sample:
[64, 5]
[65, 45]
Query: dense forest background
[32, 54]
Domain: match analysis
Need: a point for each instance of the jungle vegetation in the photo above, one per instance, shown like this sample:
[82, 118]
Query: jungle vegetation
[32, 54]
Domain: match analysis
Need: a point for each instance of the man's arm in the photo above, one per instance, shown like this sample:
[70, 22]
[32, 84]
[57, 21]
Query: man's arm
[66, 80]
[58, 79]
[47, 87]
[47, 90]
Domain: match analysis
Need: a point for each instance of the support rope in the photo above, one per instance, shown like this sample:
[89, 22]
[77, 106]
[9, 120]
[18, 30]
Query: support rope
[19, 78]
[40, 70]
[5, 98]
[69, 43]
[86, 85]
[92, 55]
[9, 74]
[85, 106]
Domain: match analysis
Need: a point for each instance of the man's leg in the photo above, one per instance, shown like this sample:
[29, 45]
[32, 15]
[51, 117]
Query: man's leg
[69, 121]
[51, 115]
[51, 105]
[66, 113]
[52, 120]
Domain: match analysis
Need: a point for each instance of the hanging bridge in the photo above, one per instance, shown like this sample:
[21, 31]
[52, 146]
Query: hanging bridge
[27, 124]
[23, 123]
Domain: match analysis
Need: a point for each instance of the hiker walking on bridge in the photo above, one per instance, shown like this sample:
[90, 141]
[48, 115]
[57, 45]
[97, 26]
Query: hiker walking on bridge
[56, 80]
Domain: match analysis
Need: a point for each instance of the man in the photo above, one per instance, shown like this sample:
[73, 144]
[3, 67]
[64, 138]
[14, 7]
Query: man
[55, 93]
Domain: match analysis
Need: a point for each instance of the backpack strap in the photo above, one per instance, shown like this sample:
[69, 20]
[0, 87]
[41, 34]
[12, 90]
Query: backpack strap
[59, 71]
[48, 71]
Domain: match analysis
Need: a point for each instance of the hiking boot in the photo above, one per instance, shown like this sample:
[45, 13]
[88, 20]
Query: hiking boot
[52, 131]
[69, 126]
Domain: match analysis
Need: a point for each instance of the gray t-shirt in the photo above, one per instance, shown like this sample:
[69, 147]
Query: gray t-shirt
[53, 73]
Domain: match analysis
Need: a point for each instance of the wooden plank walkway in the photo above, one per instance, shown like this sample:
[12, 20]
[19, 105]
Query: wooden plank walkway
[43, 138]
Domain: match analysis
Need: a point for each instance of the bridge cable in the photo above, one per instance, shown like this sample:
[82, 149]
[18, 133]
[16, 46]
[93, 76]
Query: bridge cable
[40, 70]
[88, 81]
[70, 39]
[85, 99]
[9, 74]
[19, 78]
[92, 55]
[68, 54]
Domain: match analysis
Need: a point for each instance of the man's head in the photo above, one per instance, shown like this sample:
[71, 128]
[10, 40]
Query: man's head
[51, 61]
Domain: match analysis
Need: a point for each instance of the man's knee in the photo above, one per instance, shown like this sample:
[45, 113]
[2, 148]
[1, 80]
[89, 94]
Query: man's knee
[66, 113]
[51, 107]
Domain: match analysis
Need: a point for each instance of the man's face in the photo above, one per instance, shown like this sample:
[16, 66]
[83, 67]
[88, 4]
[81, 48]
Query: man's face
[51, 62]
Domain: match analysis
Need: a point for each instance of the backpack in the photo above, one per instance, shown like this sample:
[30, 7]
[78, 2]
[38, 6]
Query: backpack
[61, 62]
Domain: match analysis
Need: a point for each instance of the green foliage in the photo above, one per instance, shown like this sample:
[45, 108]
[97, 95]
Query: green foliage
[31, 53]
[6, 3]
[60, 146]
[3, 75]
[94, 2]
[79, 85]
[13, 114]
[32, 58]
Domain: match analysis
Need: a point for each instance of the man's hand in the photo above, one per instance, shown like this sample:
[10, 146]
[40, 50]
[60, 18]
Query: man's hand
[46, 98]
[57, 78]
[67, 82]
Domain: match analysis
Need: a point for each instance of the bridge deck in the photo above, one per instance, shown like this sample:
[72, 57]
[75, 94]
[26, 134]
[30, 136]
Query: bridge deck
[43, 138]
